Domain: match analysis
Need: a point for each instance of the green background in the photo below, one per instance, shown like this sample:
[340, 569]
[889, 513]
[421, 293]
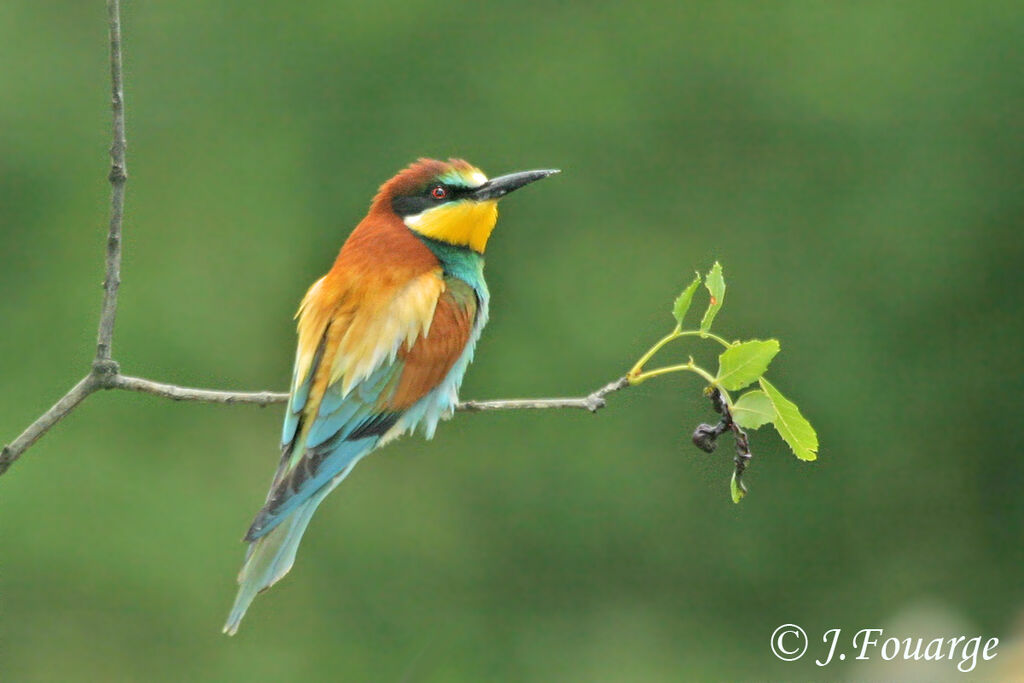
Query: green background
[856, 167]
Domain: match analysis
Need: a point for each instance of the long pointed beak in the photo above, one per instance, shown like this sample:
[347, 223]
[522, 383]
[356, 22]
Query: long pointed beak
[495, 188]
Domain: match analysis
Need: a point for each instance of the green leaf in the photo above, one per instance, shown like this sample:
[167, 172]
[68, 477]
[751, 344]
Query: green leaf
[791, 425]
[716, 288]
[753, 409]
[682, 304]
[736, 489]
[742, 364]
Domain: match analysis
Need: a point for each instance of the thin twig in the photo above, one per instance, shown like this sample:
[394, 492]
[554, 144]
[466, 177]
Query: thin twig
[592, 402]
[60, 409]
[118, 176]
[97, 380]
[176, 393]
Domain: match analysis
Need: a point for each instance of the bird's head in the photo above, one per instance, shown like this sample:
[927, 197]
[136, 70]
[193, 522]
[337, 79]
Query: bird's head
[450, 201]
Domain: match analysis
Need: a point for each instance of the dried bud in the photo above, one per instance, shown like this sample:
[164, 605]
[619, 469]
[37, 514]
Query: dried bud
[705, 438]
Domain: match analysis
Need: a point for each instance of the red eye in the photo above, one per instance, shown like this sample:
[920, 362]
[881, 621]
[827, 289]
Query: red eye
[439, 192]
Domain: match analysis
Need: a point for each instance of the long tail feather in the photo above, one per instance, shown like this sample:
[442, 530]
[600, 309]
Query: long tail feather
[270, 557]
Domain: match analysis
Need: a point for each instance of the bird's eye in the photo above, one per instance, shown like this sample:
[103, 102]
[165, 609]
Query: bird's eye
[439, 192]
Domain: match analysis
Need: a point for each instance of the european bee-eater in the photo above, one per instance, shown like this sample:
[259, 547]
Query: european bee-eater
[384, 341]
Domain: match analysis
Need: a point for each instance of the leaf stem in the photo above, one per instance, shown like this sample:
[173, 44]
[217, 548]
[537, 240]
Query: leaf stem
[705, 335]
[638, 367]
[636, 374]
[689, 366]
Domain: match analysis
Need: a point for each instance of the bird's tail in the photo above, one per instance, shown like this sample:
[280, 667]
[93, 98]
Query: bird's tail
[270, 557]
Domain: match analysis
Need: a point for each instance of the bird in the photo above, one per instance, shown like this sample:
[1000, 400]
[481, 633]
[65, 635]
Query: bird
[384, 340]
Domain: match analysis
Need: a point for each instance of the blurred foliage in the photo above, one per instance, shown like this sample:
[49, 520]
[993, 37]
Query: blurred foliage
[857, 166]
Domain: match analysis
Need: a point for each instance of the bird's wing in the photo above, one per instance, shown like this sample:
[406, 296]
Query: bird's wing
[361, 364]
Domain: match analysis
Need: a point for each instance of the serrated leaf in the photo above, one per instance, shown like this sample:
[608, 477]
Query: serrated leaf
[682, 304]
[753, 409]
[735, 489]
[716, 288]
[793, 427]
[742, 364]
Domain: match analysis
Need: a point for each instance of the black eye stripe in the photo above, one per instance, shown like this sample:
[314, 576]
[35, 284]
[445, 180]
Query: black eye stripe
[410, 205]
[452, 191]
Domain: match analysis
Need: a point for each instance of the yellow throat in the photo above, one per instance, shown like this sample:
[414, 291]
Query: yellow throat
[465, 223]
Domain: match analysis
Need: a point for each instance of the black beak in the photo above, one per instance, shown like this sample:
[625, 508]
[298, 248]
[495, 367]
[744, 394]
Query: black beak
[495, 188]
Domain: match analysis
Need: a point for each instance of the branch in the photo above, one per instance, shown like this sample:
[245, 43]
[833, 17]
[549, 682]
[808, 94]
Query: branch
[176, 393]
[593, 401]
[103, 365]
[118, 176]
[97, 380]
[105, 372]
[44, 422]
